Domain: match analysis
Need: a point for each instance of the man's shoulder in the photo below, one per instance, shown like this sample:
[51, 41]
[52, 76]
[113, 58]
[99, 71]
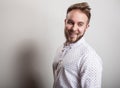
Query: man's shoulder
[85, 48]
[89, 52]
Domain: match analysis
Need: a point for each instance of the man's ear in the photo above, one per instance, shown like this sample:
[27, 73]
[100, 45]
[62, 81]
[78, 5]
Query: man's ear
[87, 26]
[65, 21]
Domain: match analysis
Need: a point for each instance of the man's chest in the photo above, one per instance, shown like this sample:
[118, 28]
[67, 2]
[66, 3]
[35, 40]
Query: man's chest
[69, 60]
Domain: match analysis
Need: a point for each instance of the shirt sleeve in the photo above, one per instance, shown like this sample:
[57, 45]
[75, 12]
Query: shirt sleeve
[91, 72]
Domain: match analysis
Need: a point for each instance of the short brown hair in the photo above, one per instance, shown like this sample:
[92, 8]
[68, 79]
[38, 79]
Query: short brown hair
[84, 7]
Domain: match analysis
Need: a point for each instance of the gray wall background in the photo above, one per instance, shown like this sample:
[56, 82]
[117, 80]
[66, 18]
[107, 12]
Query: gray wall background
[31, 31]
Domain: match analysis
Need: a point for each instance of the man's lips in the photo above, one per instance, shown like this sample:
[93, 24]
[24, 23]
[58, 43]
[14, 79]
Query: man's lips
[72, 34]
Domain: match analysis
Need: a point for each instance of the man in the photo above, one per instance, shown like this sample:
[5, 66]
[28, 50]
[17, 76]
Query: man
[76, 64]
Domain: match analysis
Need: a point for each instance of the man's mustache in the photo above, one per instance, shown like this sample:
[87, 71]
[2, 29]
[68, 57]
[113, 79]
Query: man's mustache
[72, 32]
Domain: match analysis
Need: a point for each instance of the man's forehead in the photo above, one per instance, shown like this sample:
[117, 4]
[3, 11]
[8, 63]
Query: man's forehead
[78, 21]
[77, 15]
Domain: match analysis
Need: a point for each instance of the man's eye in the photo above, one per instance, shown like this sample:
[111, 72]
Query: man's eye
[80, 24]
[70, 22]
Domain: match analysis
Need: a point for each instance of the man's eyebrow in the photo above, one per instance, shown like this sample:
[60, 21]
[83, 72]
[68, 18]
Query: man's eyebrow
[70, 20]
[81, 22]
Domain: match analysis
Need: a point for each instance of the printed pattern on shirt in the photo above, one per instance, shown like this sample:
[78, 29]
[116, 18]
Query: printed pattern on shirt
[77, 66]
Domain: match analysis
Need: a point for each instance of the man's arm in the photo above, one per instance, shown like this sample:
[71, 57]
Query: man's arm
[91, 72]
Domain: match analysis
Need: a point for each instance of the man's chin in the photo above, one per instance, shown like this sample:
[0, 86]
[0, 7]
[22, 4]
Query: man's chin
[74, 40]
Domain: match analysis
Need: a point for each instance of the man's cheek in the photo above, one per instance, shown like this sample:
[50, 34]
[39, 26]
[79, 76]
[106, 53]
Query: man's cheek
[68, 27]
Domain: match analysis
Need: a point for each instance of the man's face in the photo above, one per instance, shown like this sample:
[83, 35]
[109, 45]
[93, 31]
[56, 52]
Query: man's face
[76, 23]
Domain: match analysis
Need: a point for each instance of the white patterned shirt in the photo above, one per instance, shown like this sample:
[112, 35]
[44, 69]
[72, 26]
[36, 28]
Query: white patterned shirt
[77, 66]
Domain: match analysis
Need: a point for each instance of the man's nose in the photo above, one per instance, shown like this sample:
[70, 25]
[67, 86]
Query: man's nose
[75, 27]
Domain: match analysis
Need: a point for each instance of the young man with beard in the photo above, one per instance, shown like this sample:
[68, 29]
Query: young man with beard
[76, 64]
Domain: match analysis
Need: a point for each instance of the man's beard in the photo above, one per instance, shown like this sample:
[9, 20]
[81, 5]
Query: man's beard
[70, 32]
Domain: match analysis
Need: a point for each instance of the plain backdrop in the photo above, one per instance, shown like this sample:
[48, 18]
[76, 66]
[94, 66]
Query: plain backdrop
[32, 30]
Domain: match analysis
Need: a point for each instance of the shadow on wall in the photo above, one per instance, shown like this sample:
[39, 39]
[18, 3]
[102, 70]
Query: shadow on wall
[27, 76]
